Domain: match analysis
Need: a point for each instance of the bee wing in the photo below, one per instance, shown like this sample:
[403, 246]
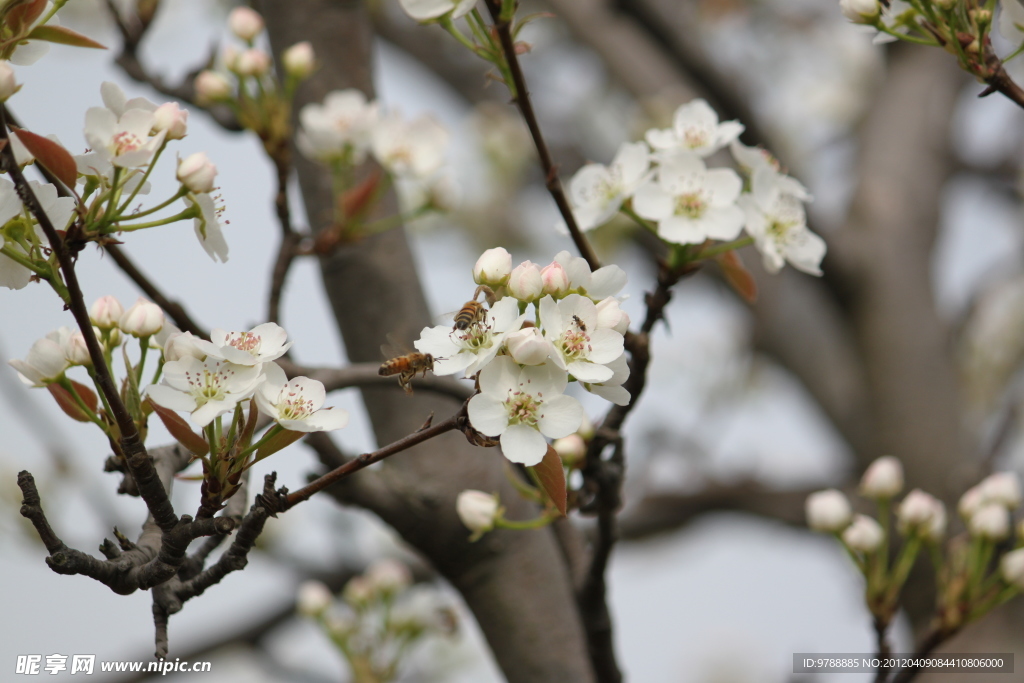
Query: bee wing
[446, 318]
[394, 348]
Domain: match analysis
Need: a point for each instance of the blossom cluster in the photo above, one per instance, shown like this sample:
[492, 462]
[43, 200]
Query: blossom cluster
[378, 617]
[546, 326]
[664, 183]
[345, 128]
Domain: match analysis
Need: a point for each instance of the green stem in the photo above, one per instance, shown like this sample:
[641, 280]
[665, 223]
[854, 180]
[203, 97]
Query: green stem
[182, 191]
[109, 214]
[145, 177]
[276, 429]
[191, 212]
[93, 417]
[642, 222]
[930, 42]
[719, 249]
[144, 349]
[537, 523]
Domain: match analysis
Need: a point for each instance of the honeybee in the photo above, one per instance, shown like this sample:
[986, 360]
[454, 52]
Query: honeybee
[472, 312]
[406, 367]
[579, 323]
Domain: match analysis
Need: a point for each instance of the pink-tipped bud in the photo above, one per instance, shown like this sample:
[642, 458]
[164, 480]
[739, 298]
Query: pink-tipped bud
[171, 118]
[864, 534]
[525, 283]
[556, 282]
[106, 312]
[528, 346]
[245, 23]
[313, 598]
[299, 60]
[828, 511]
[610, 316]
[883, 478]
[493, 268]
[143, 319]
[917, 513]
[252, 62]
[571, 449]
[388, 576]
[477, 510]
[197, 173]
[212, 87]
[180, 345]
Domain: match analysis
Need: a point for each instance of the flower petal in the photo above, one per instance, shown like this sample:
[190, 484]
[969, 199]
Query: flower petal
[524, 445]
[487, 414]
[560, 416]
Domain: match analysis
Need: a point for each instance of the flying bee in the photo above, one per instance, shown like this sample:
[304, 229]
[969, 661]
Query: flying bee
[407, 367]
[579, 323]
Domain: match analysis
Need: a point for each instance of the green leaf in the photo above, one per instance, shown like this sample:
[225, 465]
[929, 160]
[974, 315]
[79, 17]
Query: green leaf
[180, 430]
[64, 36]
[282, 439]
[55, 158]
[552, 478]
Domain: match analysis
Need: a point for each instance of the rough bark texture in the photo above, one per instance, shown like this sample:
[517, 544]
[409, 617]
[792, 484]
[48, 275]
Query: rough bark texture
[516, 584]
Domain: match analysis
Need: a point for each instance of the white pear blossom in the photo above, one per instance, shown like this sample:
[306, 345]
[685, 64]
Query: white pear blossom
[918, 512]
[691, 203]
[313, 598]
[297, 404]
[597, 191]
[991, 522]
[123, 141]
[753, 159]
[597, 285]
[522, 406]
[427, 10]
[261, 344]
[181, 344]
[58, 209]
[571, 449]
[581, 347]
[245, 22]
[611, 316]
[171, 118]
[207, 226]
[611, 389]
[477, 510]
[8, 84]
[864, 534]
[883, 478]
[340, 128]
[493, 268]
[206, 389]
[252, 62]
[527, 346]
[116, 101]
[143, 319]
[212, 87]
[76, 351]
[409, 148]
[106, 312]
[695, 128]
[1002, 488]
[555, 279]
[526, 282]
[828, 511]
[45, 361]
[471, 349]
[778, 224]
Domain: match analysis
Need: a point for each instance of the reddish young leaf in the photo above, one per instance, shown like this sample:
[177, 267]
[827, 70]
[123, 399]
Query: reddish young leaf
[282, 439]
[87, 395]
[738, 277]
[354, 201]
[55, 158]
[24, 14]
[64, 36]
[67, 402]
[180, 430]
[552, 478]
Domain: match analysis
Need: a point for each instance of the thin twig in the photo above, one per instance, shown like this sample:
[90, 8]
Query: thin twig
[550, 169]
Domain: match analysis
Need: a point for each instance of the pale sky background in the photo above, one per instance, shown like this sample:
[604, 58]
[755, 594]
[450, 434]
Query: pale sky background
[727, 598]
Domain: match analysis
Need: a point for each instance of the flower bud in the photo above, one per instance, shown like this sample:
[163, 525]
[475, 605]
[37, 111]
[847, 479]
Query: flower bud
[180, 345]
[8, 86]
[525, 283]
[358, 591]
[1002, 488]
[883, 478]
[229, 57]
[917, 512]
[477, 510]
[171, 118]
[106, 312]
[76, 351]
[971, 502]
[935, 531]
[828, 511]
[1012, 568]
[860, 11]
[610, 316]
[528, 346]
[586, 429]
[991, 522]
[864, 534]
[45, 361]
[143, 319]
[245, 23]
[252, 62]
[556, 282]
[211, 87]
[299, 60]
[493, 267]
[571, 449]
[197, 172]
[388, 576]
[314, 597]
